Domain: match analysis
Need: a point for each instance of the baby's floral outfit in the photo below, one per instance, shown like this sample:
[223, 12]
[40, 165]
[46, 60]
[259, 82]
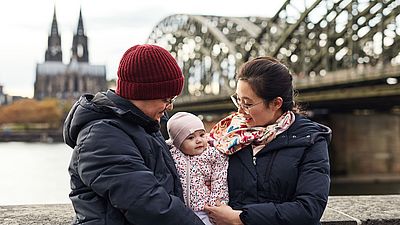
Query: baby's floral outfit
[195, 170]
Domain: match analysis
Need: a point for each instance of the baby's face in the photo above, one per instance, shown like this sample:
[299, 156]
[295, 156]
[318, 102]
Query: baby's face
[195, 143]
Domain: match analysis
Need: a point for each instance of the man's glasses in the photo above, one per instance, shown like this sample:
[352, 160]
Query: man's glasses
[169, 101]
[246, 107]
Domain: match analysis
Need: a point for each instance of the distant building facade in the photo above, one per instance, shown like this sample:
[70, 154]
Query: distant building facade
[6, 99]
[54, 79]
[3, 99]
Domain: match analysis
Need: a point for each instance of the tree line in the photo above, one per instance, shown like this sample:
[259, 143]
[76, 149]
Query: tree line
[28, 113]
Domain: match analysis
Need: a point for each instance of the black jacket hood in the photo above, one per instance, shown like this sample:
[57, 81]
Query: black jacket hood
[104, 105]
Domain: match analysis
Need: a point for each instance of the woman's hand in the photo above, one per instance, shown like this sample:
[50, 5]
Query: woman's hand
[222, 214]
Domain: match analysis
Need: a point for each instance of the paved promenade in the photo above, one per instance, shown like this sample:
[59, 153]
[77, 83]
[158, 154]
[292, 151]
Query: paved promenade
[341, 210]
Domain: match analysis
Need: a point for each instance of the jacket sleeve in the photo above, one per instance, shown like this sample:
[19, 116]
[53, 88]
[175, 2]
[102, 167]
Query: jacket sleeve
[111, 164]
[219, 182]
[310, 198]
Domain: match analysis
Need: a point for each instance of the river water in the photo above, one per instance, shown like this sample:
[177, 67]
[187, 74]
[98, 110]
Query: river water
[37, 173]
[34, 173]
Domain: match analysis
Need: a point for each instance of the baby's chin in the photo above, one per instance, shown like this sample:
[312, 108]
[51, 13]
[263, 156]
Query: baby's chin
[197, 151]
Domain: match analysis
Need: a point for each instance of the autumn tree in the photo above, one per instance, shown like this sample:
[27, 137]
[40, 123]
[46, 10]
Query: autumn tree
[27, 111]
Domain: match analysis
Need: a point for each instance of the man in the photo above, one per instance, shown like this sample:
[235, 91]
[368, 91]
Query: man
[121, 170]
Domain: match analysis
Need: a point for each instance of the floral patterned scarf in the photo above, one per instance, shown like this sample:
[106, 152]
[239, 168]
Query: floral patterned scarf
[232, 133]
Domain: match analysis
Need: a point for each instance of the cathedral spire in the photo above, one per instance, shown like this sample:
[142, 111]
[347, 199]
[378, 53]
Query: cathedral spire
[53, 52]
[80, 29]
[79, 43]
[54, 26]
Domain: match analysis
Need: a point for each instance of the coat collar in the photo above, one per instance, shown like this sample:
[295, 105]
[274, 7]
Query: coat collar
[128, 111]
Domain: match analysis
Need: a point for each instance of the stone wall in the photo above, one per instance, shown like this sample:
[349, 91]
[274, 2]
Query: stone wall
[341, 210]
[368, 210]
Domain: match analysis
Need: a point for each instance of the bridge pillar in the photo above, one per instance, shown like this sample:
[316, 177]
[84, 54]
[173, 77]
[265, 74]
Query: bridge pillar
[365, 143]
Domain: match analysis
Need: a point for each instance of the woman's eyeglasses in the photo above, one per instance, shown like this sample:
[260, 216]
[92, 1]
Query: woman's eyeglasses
[246, 107]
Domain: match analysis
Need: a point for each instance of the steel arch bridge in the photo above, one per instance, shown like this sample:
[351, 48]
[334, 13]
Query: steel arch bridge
[326, 43]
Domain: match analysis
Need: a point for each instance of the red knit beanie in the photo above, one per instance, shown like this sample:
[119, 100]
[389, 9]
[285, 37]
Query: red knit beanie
[148, 72]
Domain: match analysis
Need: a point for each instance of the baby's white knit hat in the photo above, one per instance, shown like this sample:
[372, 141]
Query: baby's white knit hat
[181, 125]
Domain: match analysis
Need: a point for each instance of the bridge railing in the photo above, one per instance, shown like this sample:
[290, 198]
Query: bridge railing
[349, 76]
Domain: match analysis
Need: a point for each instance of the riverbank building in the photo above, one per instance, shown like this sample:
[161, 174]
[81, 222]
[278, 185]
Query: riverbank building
[54, 79]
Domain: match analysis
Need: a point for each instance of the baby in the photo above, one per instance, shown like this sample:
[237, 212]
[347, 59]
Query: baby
[197, 163]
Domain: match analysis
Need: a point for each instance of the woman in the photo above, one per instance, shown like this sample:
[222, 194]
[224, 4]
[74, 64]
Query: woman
[278, 166]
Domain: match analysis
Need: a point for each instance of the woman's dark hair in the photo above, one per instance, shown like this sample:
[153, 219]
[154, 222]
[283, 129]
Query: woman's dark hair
[269, 79]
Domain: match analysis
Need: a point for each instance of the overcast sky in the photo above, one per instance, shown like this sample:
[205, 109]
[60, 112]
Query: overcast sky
[112, 26]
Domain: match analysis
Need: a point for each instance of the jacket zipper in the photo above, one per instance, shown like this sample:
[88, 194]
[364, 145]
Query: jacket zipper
[188, 182]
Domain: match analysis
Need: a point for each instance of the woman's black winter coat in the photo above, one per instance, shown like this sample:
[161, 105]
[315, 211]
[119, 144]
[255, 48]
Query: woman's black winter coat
[287, 182]
[121, 170]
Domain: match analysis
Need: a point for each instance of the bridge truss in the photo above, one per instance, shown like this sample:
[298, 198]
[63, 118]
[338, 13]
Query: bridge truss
[315, 38]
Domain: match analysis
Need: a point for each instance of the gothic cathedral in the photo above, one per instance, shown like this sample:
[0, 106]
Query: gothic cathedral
[54, 79]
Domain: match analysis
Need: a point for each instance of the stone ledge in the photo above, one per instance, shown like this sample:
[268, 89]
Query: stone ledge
[341, 210]
[36, 214]
[371, 210]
